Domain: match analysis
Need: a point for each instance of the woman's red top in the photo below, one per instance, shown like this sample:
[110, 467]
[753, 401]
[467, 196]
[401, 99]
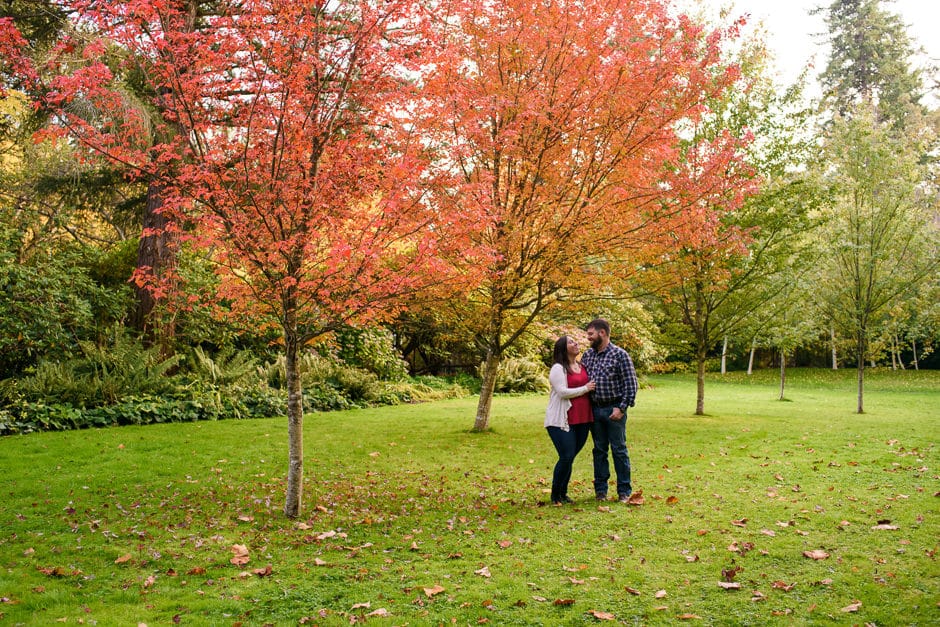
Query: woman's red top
[580, 410]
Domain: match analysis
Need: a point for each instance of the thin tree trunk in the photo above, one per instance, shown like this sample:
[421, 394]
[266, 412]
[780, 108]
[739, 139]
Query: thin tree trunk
[832, 336]
[860, 347]
[700, 398]
[783, 373]
[914, 349]
[897, 349]
[295, 423]
[724, 355]
[750, 359]
[490, 368]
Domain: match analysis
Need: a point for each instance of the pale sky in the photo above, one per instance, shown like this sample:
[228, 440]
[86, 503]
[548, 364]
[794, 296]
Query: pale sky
[790, 27]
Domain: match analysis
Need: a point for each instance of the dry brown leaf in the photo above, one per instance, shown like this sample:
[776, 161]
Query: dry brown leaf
[123, 559]
[672, 500]
[483, 572]
[729, 585]
[740, 523]
[769, 532]
[660, 594]
[632, 591]
[602, 615]
[576, 582]
[854, 607]
[359, 606]
[262, 572]
[563, 602]
[688, 617]
[382, 612]
[782, 585]
[505, 543]
[240, 552]
[636, 498]
[318, 562]
[437, 589]
[884, 527]
[816, 554]
[149, 581]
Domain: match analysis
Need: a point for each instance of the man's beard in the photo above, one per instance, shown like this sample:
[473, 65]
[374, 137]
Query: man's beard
[597, 343]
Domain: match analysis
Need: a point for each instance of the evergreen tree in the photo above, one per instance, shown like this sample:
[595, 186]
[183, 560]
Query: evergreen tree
[870, 62]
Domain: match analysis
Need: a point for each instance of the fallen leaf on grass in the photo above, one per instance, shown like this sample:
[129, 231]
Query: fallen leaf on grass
[437, 589]
[782, 585]
[816, 554]
[660, 594]
[757, 595]
[123, 559]
[602, 615]
[483, 572]
[58, 571]
[563, 602]
[358, 606]
[740, 523]
[382, 612]
[854, 607]
[198, 570]
[262, 572]
[883, 527]
[576, 582]
[636, 498]
[769, 532]
[729, 585]
[318, 562]
[240, 552]
[688, 617]
[632, 591]
[149, 581]
[672, 500]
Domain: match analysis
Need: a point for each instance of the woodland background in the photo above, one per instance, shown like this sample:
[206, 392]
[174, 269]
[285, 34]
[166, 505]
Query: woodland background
[233, 209]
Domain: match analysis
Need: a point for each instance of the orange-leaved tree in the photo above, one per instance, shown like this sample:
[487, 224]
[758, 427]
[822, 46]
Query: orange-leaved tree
[564, 130]
[298, 171]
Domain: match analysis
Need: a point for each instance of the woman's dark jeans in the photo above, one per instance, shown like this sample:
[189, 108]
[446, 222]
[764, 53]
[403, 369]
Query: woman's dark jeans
[568, 444]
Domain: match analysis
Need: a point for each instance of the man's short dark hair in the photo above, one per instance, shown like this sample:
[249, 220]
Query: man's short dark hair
[599, 324]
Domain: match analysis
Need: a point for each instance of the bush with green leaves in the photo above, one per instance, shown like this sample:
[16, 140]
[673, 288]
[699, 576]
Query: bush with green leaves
[48, 306]
[520, 374]
[372, 349]
[103, 374]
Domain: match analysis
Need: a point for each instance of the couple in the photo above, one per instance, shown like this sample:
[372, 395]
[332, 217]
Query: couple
[591, 395]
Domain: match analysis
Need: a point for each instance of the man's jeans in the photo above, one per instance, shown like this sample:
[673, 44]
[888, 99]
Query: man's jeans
[611, 434]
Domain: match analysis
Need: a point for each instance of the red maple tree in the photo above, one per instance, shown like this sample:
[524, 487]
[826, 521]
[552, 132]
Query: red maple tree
[286, 148]
[565, 127]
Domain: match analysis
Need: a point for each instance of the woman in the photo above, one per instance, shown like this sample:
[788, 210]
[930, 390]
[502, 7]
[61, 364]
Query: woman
[568, 416]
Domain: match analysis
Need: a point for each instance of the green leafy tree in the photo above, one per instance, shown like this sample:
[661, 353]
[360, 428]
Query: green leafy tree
[881, 227]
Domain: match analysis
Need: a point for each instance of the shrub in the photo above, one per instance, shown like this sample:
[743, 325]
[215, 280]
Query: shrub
[102, 375]
[372, 349]
[518, 374]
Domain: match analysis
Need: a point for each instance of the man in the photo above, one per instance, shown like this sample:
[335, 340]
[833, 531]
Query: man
[612, 371]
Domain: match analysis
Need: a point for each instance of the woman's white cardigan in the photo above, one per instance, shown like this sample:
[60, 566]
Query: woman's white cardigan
[556, 414]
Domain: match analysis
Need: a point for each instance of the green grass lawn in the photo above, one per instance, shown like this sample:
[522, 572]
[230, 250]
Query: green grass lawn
[412, 519]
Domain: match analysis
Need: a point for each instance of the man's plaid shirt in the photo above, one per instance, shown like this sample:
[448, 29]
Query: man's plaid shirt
[613, 373]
